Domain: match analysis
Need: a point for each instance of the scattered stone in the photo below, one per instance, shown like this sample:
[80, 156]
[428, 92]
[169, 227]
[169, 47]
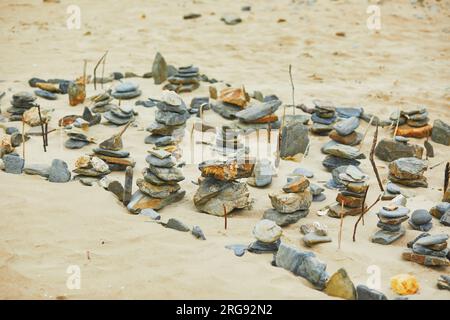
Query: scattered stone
[290, 202]
[332, 162]
[37, 169]
[283, 219]
[13, 164]
[262, 174]
[347, 126]
[267, 231]
[239, 249]
[177, 225]
[152, 214]
[117, 189]
[441, 132]
[59, 172]
[389, 150]
[159, 69]
[191, 16]
[339, 285]
[231, 19]
[365, 293]
[444, 282]
[341, 150]
[198, 233]
[313, 238]
[421, 220]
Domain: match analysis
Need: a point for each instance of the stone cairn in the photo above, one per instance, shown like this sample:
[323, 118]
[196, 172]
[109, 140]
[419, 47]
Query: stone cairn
[408, 172]
[21, 102]
[267, 234]
[126, 90]
[340, 150]
[323, 117]
[230, 102]
[353, 185]
[291, 204]
[90, 166]
[442, 212]
[102, 102]
[170, 119]
[160, 185]
[186, 79]
[120, 116]
[261, 115]
[390, 219]
[110, 151]
[77, 139]
[428, 250]
[219, 193]
[421, 220]
[412, 123]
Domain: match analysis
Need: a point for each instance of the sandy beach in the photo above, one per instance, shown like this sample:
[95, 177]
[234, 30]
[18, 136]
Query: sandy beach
[47, 227]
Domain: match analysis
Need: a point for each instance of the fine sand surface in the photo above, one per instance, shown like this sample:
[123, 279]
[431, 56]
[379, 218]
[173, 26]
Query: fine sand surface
[47, 227]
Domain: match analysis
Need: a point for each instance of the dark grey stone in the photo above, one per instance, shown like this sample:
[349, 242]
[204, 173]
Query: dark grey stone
[198, 233]
[294, 139]
[417, 248]
[59, 172]
[262, 247]
[159, 69]
[365, 293]
[441, 132]
[45, 94]
[176, 225]
[13, 164]
[347, 126]
[284, 219]
[421, 216]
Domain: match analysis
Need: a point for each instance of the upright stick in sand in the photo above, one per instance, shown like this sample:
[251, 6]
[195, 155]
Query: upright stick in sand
[363, 213]
[293, 89]
[341, 224]
[225, 216]
[396, 125]
[42, 128]
[372, 160]
[446, 176]
[127, 190]
[102, 59]
[365, 132]
[23, 139]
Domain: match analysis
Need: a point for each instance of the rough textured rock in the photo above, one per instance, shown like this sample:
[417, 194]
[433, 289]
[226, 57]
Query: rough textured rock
[298, 184]
[159, 69]
[141, 201]
[339, 285]
[227, 170]
[387, 237]
[290, 202]
[390, 150]
[425, 260]
[407, 168]
[198, 233]
[341, 150]
[258, 111]
[365, 293]
[284, 219]
[59, 171]
[313, 238]
[347, 126]
[294, 139]
[267, 231]
[176, 224]
[13, 164]
[441, 132]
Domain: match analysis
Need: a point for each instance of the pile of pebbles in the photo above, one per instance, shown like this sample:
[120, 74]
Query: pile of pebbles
[292, 203]
[21, 102]
[315, 233]
[421, 220]
[77, 139]
[261, 115]
[160, 185]
[170, 119]
[267, 235]
[390, 219]
[323, 117]
[428, 250]
[90, 167]
[442, 212]
[344, 132]
[126, 90]
[219, 193]
[408, 172]
[110, 151]
[120, 116]
[413, 123]
[352, 183]
[102, 102]
[186, 79]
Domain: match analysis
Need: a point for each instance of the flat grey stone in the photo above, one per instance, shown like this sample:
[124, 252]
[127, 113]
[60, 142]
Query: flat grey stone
[441, 132]
[150, 213]
[111, 153]
[168, 162]
[312, 239]
[365, 293]
[239, 249]
[284, 219]
[42, 170]
[341, 150]
[177, 225]
[347, 126]
[417, 248]
[259, 110]
[294, 139]
[385, 237]
[260, 247]
[304, 172]
[430, 240]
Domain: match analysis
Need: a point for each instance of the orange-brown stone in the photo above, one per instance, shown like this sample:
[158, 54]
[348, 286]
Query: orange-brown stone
[235, 96]
[411, 132]
[267, 119]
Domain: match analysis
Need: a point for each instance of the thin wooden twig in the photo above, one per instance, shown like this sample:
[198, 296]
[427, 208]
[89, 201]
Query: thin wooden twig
[446, 176]
[341, 224]
[365, 132]
[372, 160]
[103, 57]
[396, 125]
[42, 128]
[293, 89]
[23, 139]
[362, 215]
[269, 132]
[225, 216]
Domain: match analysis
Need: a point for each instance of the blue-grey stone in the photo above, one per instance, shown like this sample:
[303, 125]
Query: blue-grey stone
[347, 126]
[398, 213]
[422, 235]
[45, 94]
[365, 293]
[59, 172]
[332, 162]
[176, 225]
[303, 264]
[198, 233]
[304, 172]
[445, 219]
[348, 112]
[11, 130]
[393, 188]
[75, 144]
[126, 95]
[420, 216]
[150, 213]
[442, 207]
[260, 247]
[327, 121]
[284, 219]
[417, 248]
[315, 189]
[430, 240]
[294, 139]
[386, 237]
[168, 162]
[111, 153]
[389, 227]
[422, 227]
[441, 132]
[239, 249]
[42, 170]
[159, 141]
[319, 198]
[13, 164]
[126, 87]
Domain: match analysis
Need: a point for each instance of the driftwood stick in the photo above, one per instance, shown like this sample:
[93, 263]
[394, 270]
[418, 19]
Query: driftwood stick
[23, 139]
[103, 57]
[396, 125]
[341, 224]
[372, 160]
[363, 204]
[269, 132]
[436, 165]
[46, 133]
[293, 89]
[42, 127]
[446, 176]
[362, 215]
[365, 132]
[225, 216]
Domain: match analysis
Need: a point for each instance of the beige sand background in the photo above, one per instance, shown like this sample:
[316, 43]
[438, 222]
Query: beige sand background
[45, 227]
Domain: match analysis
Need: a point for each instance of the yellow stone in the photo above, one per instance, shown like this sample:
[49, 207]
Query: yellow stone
[404, 284]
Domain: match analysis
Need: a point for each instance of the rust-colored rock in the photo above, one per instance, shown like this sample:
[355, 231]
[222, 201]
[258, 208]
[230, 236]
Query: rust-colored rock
[336, 210]
[349, 201]
[227, 170]
[411, 132]
[77, 92]
[446, 197]
[425, 260]
[267, 119]
[348, 140]
[121, 161]
[235, 96]
[298, 184]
